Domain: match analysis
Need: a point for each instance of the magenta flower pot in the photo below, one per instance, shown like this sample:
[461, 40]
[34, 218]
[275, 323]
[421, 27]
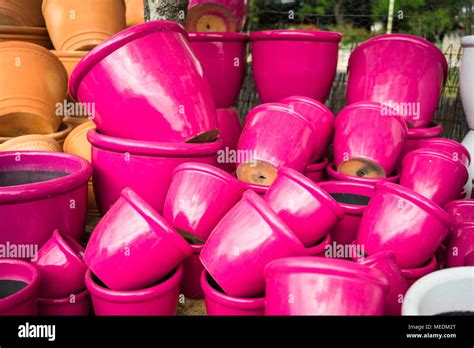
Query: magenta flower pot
[219, 303]
[400, 70]
[223, 59]
[319, 249]
[259, 189]
[415, 135]
[133, 247]
[385, 225]
[230, 128]
[309, 211]
[145, 167]
[320, 286]
[451, 148]
[158, 97]
[317, 171]
[75, 305]
[462, 211]
[192, 269]
[334, 175]
[158, 299]
[460, 248]
[41, 192]
[248, 237]
[19, 283]
[61, 267]
[427, 172]
[312, 56]
[238, 8]
[413, 274]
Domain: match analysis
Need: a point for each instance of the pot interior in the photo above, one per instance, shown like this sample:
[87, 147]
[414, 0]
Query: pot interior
[24, 177]
[9, 287]
[351, 198]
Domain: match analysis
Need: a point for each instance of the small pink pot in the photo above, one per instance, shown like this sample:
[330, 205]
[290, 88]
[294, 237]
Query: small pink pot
[219, 303]
[74, 305]
[400, 70]
[320, 286]
[333, 174]
[244, 242]
[192, 269]
[222, 55]
[19, 282]
[460, 248]
[238, 8]
[230, 128]
[319, 249]
[162, 96]
[413, 274]
[309, 211]
[159, 299]
[415, 135]
[317, 171]
[427, 172]
[132, 247]
[400, 220]
[452, 148]
[273, 51]
[198, 197]
[462, 211]
[61, 268]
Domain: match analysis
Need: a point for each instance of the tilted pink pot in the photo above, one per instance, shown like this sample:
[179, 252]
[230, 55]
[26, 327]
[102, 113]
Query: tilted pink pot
[73, 305]
[238, 8]
[230, 128]
[145, 167]
[415, 135]
[460, 248]
[133, 247]
[452, 148]
[198, 197]
[398, 70]
[158, 299]
[312, 56]
[400, 220]
[219, 303]
[41, 192]
[462, 211]
[223, 59]
[162, 95]
[19, 282]
[427, 172]
[319, 249]
[248, 237]
[333, 174]
[320, 286]
[309, 211]
[317, 171]
[192, 268]
[413, 274]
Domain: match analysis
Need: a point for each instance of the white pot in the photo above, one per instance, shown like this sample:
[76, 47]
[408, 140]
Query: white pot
[468, 143]
[466, 78]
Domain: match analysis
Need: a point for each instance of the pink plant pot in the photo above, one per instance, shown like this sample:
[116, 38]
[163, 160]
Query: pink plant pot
[320, 286]
[158, 97]
[462, 194]
[399, 70]
[441, 255]
[259, 189]
[248, 237]
[219, 303]
[41, 192]
[334, 175]
[427, 172]
[452, 148]
[238, 8]
[74, 305]
[319, 249]
[132, 246]
[460, 247]
[222, 55]
[159, 299]
[317, 171]
[309, 211]
[362, 131]
[61, 268]
[400, 220]
[413, 274]
[19, 282]
[230, 128]
[145, 167]
[462, 211]
[273, 51]
[415, 135]
[192, 269]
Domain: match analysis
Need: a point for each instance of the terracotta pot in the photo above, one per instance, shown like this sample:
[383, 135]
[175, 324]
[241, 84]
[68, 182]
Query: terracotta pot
[69, 59]
[59, 136]
[466, 78]
[462, 211]
[29, 108]
[230, 128]
[134, 12]
[25, 13]
[415, 135]
[80, 25]
[75, 121]
[77, 144]
[216, 15]
[38, 36]
[413, 274]
[460, 248]
[317, 171]
[449, 147]
[73, 305]
[31, 143]
[192, 268]
[333, 174]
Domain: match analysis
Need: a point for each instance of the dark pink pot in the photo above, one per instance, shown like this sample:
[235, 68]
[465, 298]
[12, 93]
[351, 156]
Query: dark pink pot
[317, 171]
[192, 269]
[333, 174]
[462, 211]
[460, 248]
[452, 148]
[319, 249]
[413, 274]
[415, 135]
[230, 128]
[74, 305]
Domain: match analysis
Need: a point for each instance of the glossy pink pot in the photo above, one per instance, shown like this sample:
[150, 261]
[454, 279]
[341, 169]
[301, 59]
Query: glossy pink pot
[192, 269]
[238, 8]
[61, 267]
[158, 97]
[333, 174]
[74, 305]
[460, 248]
[230, 128]
[401, 220]
[133, 247]
[427, 172]
[219, 303]
[462, 211]
[452, 148]
[415, 135]
[319, 249]
[158, 299]
[145, 167]
[41, 192]
[317, 171]
[309, 211]
[413, 274]
[260, 189]
[223, 59]
[320, 286]
[248, 237]
[398, 70]
[19, 282]
[312, 56]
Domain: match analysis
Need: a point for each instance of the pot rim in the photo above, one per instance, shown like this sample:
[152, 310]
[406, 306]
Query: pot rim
[318, 166]
[349, 209]
[434, 130]
[333, 173]
[32, 280]
[296, 35]
[217, 37]
[69, 54]
[467, 41]
[61, 134]
[320, 246]
[69, 247]
[447, 141]
[421, 271]
[459, 203]
[309, 101]
[370, 260]
[64, 300]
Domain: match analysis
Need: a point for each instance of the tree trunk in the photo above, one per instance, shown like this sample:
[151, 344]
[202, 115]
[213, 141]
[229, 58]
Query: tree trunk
[338, 12]
[171, 10]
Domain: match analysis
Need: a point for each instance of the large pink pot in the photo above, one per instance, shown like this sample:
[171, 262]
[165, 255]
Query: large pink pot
[19, 282]
[198, 197]
[452, 148]
[219, 303]
[145, 167]
[161, 95]
[244, 242]
[294, 62]
[192, 268]
[132, 247]
[416, 135]
[317, 171]
[462, 211]
[399, 70]
[401, 220]
[223, 59]
[333, 174]
[413, 274]
[230, 128]
[238, 8]
[319, 286]
[73, 305]
[460, 248]
[309, 211]
[41, 192]
[427, 172]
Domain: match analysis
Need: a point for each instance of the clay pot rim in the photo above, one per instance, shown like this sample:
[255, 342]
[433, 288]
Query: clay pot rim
[320, 246]
[349, 209]
[296, 35]
[467, 41]
[69, 54]
[309, 101]
[217, 37]
[69, 247]
[421, 271]
[434, 130]
[23, 30]
[32, 280]
[75, 133]
[113, 44]
[33, 48]
[318, 166]
[33, 141]
[375, 258]
[448, 142]
[64, 300]
[333, 173]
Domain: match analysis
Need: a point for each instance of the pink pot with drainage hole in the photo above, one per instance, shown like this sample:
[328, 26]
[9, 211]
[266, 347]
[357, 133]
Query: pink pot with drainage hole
[333, 174]
[192, 269]
[230, 128]
[413, 274]
[462, 211]
[452, 148]
[72, 305]
[416, 135]
[238, 8]
[317, 171]
[460, 248]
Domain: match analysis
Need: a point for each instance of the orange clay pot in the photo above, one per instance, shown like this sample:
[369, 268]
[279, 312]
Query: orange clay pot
[33, 142]
[80, 25]
[134, 12]
[75, 121]
[32, 82]
[38, 36]
[210, 17]
[69, 59]
[59, 136]
[26, 13]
